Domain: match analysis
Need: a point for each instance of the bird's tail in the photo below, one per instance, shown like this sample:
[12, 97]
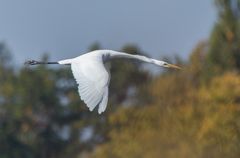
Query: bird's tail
[65, 62]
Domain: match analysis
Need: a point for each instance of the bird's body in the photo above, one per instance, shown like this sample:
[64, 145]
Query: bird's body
[93, 75]
[92, 78]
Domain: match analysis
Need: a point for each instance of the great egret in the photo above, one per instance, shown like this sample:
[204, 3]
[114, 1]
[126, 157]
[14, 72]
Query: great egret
[93, 76]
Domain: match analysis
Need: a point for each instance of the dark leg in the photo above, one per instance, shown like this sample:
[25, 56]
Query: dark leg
[34, 62]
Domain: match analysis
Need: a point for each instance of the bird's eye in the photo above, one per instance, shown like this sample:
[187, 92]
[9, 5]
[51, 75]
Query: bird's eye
[165, 64]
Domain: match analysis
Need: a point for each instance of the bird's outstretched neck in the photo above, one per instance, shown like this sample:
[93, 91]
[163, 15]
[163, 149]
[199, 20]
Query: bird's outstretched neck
[34, 62]
[115, 54]
[135, 57]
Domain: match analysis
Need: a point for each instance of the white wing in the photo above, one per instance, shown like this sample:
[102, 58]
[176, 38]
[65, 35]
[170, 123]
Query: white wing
[93, 80]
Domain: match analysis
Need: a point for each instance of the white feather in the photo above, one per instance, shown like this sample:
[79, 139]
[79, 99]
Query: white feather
[92, 79]
[103, 104]
[65, 62]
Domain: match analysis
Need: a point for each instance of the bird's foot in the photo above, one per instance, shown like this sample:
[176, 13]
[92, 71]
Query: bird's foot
[31, 62]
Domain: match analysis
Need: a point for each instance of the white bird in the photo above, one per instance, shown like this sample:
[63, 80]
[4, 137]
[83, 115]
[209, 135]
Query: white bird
[93, 76]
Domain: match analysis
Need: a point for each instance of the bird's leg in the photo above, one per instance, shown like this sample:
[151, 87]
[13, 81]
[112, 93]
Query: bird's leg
[34, 62]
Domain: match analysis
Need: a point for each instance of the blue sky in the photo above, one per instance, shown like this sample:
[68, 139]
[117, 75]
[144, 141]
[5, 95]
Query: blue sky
[67, 28]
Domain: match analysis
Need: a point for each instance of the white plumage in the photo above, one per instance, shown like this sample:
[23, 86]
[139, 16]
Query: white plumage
[93, 77]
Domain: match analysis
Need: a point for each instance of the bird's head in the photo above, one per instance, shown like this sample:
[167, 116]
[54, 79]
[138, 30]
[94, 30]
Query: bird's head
[167, 65]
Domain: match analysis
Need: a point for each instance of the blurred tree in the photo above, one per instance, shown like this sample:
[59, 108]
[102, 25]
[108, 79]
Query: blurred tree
[187, 123]
[94, 46]
[10, 145]
[198, 62]
[224, 48]
[36, 105]
[127, 77]
[41, 112]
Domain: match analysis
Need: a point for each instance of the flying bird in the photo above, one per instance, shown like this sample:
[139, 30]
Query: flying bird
[93, 75]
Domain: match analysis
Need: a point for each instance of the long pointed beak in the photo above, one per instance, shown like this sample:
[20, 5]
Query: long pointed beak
[174, 66]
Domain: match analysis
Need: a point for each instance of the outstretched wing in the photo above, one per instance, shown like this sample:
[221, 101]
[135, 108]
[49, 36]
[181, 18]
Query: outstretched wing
[93, 80]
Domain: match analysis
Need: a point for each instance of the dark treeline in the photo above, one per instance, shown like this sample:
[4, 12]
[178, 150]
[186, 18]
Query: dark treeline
[190, 113]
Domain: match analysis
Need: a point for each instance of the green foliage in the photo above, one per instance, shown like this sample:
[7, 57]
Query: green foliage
[224, 51]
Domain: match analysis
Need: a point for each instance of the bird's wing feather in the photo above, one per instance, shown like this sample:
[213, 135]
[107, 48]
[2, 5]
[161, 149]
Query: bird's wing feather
[104, 101]
[92, 79]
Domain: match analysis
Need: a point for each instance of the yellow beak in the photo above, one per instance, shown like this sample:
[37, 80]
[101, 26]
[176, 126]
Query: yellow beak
[174, 66]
